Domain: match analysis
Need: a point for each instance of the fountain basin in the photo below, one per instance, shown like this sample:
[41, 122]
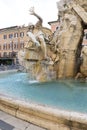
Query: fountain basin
[46, 117]
[45, 104]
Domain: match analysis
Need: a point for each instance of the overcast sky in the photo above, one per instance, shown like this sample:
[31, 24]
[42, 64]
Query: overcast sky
[16, 12]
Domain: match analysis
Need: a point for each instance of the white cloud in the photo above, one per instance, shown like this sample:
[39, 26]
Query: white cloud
[16, 12]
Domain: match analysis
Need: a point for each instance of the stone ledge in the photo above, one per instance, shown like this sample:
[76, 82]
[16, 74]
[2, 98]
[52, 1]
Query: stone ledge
[43, 116]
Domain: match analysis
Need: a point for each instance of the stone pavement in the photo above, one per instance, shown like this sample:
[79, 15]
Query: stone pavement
[8, 122]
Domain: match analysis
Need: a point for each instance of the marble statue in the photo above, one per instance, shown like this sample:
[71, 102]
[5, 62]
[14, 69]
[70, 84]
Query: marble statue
[68, 59]
[36, 34]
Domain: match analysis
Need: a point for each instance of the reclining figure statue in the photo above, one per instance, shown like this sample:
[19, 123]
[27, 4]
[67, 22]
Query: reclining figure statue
[36, 34]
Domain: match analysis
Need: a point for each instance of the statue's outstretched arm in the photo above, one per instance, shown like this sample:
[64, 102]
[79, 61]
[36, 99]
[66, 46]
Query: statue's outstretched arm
[32, 12]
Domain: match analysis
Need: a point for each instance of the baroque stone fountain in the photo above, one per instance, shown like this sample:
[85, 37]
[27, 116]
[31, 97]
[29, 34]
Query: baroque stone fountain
[48, 56]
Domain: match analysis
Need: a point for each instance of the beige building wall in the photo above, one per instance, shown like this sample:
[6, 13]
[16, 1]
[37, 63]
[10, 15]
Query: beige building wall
[12, 39]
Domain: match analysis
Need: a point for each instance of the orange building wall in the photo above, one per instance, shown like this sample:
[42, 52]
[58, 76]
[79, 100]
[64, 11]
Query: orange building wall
[54, 26]
[15, 42]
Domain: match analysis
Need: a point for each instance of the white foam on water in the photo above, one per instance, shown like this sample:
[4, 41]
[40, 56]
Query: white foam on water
[18, 80]
[33, 81]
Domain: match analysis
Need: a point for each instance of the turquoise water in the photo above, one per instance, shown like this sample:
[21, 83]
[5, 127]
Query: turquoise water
[64, 94]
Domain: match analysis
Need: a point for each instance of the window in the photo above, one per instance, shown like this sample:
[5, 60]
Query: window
[21, 44]
[10, 35]
[57, 28]
[16, 45]
[22, 34]
[5, 54]
[4, 36]
[5, 46]
[10, 46]
[9, 54]
[16, 35]
[0, 47]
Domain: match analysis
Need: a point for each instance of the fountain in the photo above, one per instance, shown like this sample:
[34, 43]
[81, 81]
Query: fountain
[60, 104]
[63, 49]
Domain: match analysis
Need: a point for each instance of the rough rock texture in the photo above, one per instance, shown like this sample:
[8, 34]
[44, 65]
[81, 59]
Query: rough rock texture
[74, 18]
[63, 47]
[70, 40]
[39, 69]
[83, 66]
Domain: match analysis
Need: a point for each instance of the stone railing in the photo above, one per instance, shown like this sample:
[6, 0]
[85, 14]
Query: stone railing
[46, 117]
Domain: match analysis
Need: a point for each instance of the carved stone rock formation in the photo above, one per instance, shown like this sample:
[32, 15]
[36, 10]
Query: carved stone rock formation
[32, 58]
[63, 48]
[74, 18]
[83, 66]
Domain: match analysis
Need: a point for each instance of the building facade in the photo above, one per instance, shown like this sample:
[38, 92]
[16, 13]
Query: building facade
[54, 25]
[12, 40]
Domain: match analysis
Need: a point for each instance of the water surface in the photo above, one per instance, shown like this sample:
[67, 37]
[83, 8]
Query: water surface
[64, 94]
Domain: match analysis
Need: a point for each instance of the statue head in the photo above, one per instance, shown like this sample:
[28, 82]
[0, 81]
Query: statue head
[30, 26]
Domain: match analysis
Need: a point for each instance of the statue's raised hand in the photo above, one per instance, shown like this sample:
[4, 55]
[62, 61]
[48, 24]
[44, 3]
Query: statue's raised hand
[31, 10]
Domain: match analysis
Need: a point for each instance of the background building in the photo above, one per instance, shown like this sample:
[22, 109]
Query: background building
[12, 39]
[54, 25]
